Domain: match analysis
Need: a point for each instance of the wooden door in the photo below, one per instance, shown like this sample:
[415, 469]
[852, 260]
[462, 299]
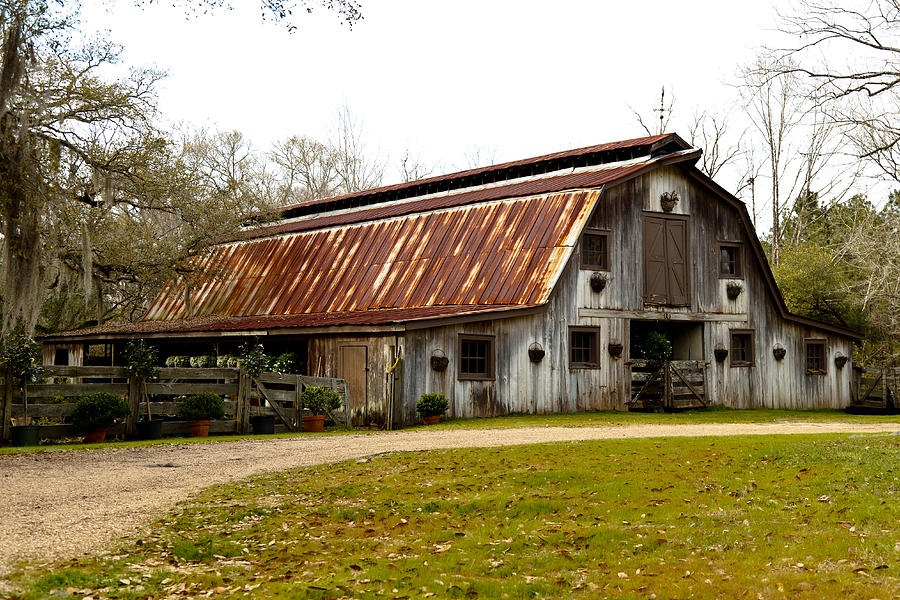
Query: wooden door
[354, 370]
[666, 260]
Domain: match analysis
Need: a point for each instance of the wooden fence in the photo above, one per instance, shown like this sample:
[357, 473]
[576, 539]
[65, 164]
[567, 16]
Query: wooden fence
[672, 385]
[876, 387]
[270, 393]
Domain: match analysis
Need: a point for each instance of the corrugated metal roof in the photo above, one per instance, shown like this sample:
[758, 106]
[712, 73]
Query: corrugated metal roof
[490, 254]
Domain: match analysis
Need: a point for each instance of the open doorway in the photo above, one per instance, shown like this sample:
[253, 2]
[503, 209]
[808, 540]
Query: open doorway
[686, 337]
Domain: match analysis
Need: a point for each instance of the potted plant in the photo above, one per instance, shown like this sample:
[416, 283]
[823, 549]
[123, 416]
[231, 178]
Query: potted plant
[318, 401]
[431, 407]
[199, 409]
[20, 364]
[656, 348]
[95, 413]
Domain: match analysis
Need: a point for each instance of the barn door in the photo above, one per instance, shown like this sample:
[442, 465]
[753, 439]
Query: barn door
[666, 263]
[354, 370]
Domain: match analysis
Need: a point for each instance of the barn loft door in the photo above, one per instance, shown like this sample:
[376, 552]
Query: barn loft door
[354, 368]
[666, 260]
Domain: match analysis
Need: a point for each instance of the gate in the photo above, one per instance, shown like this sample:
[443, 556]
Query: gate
[672, 385]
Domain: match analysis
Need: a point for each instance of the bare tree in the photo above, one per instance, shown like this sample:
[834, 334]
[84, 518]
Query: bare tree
[480, 156]
[776, 107]
[412, 168]
[862, 94]
[305, 169]
[710, 132]
[356, 169]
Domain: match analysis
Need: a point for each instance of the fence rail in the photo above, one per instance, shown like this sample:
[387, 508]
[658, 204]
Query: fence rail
[270, 393]
[876, 387]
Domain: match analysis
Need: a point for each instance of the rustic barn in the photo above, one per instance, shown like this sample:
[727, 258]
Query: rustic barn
[524, 287]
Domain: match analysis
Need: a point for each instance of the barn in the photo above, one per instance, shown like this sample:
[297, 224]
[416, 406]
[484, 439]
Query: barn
[523, 287]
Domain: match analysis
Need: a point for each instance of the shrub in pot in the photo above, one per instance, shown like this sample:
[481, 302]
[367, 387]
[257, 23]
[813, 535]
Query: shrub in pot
[199, 409]
[95, 413]
[318, 401]
[431, 407]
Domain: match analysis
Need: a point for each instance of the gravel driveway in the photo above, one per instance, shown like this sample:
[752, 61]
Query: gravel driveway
[65, 504]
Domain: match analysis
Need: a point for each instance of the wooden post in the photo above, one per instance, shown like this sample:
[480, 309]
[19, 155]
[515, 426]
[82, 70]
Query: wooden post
[135, 387]
[667, 385]
[242, 410]
[6, 402]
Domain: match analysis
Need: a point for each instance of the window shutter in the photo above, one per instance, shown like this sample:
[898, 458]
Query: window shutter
[655, 260]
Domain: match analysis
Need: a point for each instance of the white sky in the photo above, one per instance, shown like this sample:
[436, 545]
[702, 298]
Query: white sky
[513, 78]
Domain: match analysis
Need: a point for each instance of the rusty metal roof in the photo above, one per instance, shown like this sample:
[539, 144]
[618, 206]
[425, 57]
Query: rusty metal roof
[491, 254]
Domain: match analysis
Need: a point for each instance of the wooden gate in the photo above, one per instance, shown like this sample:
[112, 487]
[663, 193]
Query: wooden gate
[876, 387]
[672, 385]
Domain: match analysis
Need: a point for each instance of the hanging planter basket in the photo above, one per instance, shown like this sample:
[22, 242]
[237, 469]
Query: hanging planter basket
[840, 360]
[598, 281]
[536, 353]
[733, 289]
[439, 360]
[721, 353]
[668, 200]
[779, 352]
[615, 349]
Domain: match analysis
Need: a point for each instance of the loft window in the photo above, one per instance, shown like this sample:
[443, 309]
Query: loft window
[595, 250]
[742, 348]
[815, 357]
[476, 357]
[583, 344]
[730, 264]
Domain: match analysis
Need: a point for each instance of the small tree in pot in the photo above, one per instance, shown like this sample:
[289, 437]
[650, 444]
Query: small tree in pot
[318, 401]
[20, 359]
[431, 407]
[94, 414]
[199, 409]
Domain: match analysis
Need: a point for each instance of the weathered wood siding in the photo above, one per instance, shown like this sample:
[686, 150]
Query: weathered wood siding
[325, 361]
[553, 386]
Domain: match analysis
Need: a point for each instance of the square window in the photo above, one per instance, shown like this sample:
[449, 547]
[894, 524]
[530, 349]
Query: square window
[730, 264]
[583, 345]
[815, 357]
[742, 348]
[595, 250]
[476, 357]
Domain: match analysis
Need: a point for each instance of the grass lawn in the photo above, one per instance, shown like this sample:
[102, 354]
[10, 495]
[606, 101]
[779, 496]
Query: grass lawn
[743, 517]
[715, 414]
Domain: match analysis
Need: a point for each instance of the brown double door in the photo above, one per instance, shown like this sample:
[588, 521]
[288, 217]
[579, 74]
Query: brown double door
[666, 260]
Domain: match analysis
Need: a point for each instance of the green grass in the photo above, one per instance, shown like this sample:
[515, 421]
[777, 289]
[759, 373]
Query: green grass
[769, 517]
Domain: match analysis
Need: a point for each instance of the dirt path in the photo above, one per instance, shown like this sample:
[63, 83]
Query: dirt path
[66, 504]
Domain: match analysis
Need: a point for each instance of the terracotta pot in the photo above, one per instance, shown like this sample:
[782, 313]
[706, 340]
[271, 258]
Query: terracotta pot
[314, 423]
[432, 420]
[199, 428]
[95, 437]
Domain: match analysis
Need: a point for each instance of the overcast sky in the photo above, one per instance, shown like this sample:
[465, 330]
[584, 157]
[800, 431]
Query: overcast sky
[441, 79]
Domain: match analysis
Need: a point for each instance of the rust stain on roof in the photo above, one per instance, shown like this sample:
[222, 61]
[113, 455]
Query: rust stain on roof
[495, 254]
